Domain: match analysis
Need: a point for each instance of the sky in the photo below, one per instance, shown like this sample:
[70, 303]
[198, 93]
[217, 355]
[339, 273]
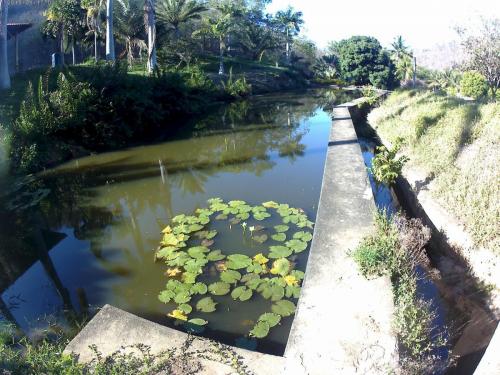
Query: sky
[422, 23]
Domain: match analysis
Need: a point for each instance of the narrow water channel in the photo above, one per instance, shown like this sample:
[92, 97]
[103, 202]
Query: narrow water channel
[84, 234]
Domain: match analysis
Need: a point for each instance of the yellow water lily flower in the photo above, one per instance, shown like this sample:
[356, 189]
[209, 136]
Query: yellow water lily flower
[178, 314]
[221, 266]
[172, 272]
[291, 280]
[167, 229]
[260, 258]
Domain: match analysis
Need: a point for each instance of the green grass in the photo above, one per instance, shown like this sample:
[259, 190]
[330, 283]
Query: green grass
[455, 143]
[394, 249]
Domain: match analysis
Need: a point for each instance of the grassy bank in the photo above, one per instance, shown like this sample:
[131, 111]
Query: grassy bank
[395, 249]
[456, 144]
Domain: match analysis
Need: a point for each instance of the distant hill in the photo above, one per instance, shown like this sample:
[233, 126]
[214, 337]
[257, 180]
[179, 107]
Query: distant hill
[441, 56]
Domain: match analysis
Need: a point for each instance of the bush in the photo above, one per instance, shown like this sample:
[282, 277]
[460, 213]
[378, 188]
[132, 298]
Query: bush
[474, 85]
[237, 89]
[386, 166]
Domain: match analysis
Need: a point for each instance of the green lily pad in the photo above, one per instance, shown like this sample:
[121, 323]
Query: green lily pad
[296, 245]
[260, 238]
[235, 221]
[270, 291]
[206, 305]
[281, 228]
[185, 308]
[261, 216]
[221, 217]
[243, 215]
[280, 237]
[270, 318]
[195, 265]
[166, 296]
[253, 283]
[236, 203]
[182, 297]
[270, 204]
[195, 227]
[283, 307]
[198, 322]
[199, 288]
[279, 252]
[260, 330]
[303, 236]
[242, 293]
[198, 251]
[168, 252]
[219, 288]
[230, 276]
[215, 256]
[255, 268]
[178, 261]
[299, 275]
[189, 277]
[207, 243]
[292, 291]
[281, 267]
[238, 261]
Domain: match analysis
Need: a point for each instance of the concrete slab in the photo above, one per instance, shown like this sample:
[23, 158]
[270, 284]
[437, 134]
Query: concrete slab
[113, 329]
[343, 321]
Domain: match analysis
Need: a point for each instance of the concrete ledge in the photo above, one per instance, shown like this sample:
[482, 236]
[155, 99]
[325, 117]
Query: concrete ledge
[113, 329]
[343, 321]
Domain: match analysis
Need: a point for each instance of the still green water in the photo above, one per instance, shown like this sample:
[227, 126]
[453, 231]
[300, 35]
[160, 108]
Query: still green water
[84, 233]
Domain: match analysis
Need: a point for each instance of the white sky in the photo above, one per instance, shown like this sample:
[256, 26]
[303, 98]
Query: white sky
[422, 23]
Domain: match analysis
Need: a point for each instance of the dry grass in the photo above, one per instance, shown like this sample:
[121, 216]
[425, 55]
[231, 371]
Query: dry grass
[456, 143]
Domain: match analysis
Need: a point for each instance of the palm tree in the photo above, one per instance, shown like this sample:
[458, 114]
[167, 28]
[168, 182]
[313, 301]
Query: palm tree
[4, 61]
[291, 22]
[399, 49]
[129, 27]
[93, 9]
[150, 22]
[174, 13]
[110, 42]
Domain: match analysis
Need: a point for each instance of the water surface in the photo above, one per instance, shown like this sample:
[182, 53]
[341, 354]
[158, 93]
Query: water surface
[84, 234]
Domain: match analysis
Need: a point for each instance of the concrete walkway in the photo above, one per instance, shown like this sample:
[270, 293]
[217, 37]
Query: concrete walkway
[343, 321]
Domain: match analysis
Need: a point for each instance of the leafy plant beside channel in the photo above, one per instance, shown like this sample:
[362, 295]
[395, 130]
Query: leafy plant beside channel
[187, 249]
[386, 166]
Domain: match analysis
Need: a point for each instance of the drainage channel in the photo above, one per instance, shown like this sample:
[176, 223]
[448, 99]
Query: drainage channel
[459, 302]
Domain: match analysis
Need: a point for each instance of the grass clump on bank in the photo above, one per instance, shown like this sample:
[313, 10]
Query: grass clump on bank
[20, 356]
[456, 144]
[395, 249]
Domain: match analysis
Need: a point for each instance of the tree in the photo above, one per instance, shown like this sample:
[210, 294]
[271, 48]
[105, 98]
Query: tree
[93, 10]
[363, 61]
[260, 34]
[483, 52]
[291, 23]
[110, 41]
[474, 85]
[130, 27]
[173, 13]
[4, 60]
[218, 25]
[64, 21]
[150, 22]
[399, 49]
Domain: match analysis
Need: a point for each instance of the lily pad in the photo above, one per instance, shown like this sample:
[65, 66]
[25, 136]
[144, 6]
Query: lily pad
[281, 267]
[215, 256]
[221, 217]
[242, 293]
[238, 261]
[303, 236]
[185, 308]
[194, 228]
[260, 258]
[260, 238]
[292, 291]
[198, 251]
[182, 297]
[207, 243]
[260, 330]
[189, 277]
[198, 322]
[299, 275]
[270, 204]
[206, 305]
[219, 288]
[230, 276]
[280, 237]
[243, 215]
[270, 291]
[256, 268]
[199, 288]
[261, 216]
[283, 307]
[235, 221]
[178, 261]
[281, 228]
[270, 318]
[296, 245]
[279, 252]
[166, 296]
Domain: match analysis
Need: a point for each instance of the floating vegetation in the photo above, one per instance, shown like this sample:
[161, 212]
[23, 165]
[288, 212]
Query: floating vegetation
[186, 248]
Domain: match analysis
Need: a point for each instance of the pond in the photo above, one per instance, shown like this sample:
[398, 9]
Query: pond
[85, 234]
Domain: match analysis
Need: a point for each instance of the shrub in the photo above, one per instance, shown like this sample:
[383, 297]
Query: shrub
[386, 166]
[237, 88]
[474, 85]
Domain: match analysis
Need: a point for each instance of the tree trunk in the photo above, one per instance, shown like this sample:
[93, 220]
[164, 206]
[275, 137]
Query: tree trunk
[73, 51]
[110, 42]
[62, 45]
[4, 58]
[221, 56]
[151, 28]
[96, 57]
[287, 46]
[414, 71]
[261, 55]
